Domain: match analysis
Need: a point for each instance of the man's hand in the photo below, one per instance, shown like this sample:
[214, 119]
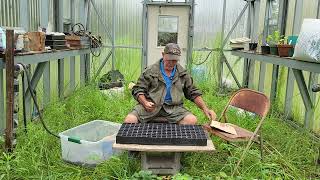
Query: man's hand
[149, 106]
[210, 114]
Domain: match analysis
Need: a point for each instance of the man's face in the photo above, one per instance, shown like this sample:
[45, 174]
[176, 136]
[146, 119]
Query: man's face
[168, 64]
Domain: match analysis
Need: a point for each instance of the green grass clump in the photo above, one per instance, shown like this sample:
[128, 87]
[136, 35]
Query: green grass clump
[289, 154]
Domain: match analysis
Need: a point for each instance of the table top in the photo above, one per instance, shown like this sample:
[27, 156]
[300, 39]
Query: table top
[165, 148]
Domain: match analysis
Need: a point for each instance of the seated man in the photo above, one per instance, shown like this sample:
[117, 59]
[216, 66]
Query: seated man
[160, 90]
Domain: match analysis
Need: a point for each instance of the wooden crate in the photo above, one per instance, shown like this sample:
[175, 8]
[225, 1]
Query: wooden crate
[36, 41]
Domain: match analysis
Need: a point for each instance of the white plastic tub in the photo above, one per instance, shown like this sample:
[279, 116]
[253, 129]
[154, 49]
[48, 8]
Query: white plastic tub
[90, 143]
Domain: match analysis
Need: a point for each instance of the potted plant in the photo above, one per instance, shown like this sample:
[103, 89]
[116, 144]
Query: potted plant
[265, 48]
[273, 40]
[292, 40]
[253, 45]
[284, 48]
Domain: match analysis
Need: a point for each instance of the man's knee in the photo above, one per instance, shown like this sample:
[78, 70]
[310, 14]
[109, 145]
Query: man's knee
[189, 119]
[131, 119]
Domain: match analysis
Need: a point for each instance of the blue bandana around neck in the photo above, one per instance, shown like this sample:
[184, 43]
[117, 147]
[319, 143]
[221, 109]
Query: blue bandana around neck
[168, 81]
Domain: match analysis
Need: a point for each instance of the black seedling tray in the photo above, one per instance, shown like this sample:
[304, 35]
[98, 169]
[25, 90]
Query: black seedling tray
[55, 42]
[161, 134]
[58, 47]
[55, 37]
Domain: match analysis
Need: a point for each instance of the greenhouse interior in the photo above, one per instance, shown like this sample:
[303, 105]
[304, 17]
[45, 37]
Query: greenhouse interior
[160, 89]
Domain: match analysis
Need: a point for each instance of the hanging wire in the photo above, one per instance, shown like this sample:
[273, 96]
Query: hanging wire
[95, 42]
[27, 73]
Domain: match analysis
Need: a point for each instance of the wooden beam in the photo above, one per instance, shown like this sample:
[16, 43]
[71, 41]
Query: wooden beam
[9, 58]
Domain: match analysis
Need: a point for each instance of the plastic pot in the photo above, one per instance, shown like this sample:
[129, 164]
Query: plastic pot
[253, 46]
[274, 50]
[265, 49]
[283, 49]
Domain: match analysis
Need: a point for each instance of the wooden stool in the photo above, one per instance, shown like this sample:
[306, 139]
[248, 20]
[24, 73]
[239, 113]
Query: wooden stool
[163, 159]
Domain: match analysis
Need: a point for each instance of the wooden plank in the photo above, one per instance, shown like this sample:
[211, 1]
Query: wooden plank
[165, 148]
[288, 62]
[46, 56]
[9, 57]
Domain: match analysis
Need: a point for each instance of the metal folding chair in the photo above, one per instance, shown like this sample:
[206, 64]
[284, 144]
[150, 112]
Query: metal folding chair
[250, 101]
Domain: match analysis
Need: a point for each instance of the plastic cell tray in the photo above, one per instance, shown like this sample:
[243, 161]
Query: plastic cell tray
[161, 134]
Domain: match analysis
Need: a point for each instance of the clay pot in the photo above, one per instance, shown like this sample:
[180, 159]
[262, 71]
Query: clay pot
[284, 49]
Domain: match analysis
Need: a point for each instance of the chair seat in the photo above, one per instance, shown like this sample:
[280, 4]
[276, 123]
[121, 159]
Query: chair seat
[242, 134]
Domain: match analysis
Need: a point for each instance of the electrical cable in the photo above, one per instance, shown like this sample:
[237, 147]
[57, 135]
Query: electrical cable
[35, 100]
[197, 64]
[24, 103]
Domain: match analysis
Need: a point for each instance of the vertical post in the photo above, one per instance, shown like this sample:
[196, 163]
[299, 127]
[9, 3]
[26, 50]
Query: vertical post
[24, 22]
[265, 34]
[247, 62]
[266, 21]
[72, 59]
[313, 79]
[318, 11]
[87, 56]
[144, 54]
[262, 74]
[44, 18]
[113, 32]
[190, 33]
[289, 93]
[274, 82]
[59, 28]
[282, 19]
[82, 18]
[220, 69]
[2, 112]
[252, 35]
[297, 16]
[9, 85]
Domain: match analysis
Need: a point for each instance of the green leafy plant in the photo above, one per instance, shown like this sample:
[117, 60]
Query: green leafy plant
[283, 40]
[260, 37]
[144, 175]
[274, 38]
[182, 177]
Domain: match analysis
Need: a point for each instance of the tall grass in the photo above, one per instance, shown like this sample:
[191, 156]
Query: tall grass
[289, 154]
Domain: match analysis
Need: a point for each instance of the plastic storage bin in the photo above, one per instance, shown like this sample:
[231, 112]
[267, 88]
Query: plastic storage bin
[89, 144]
